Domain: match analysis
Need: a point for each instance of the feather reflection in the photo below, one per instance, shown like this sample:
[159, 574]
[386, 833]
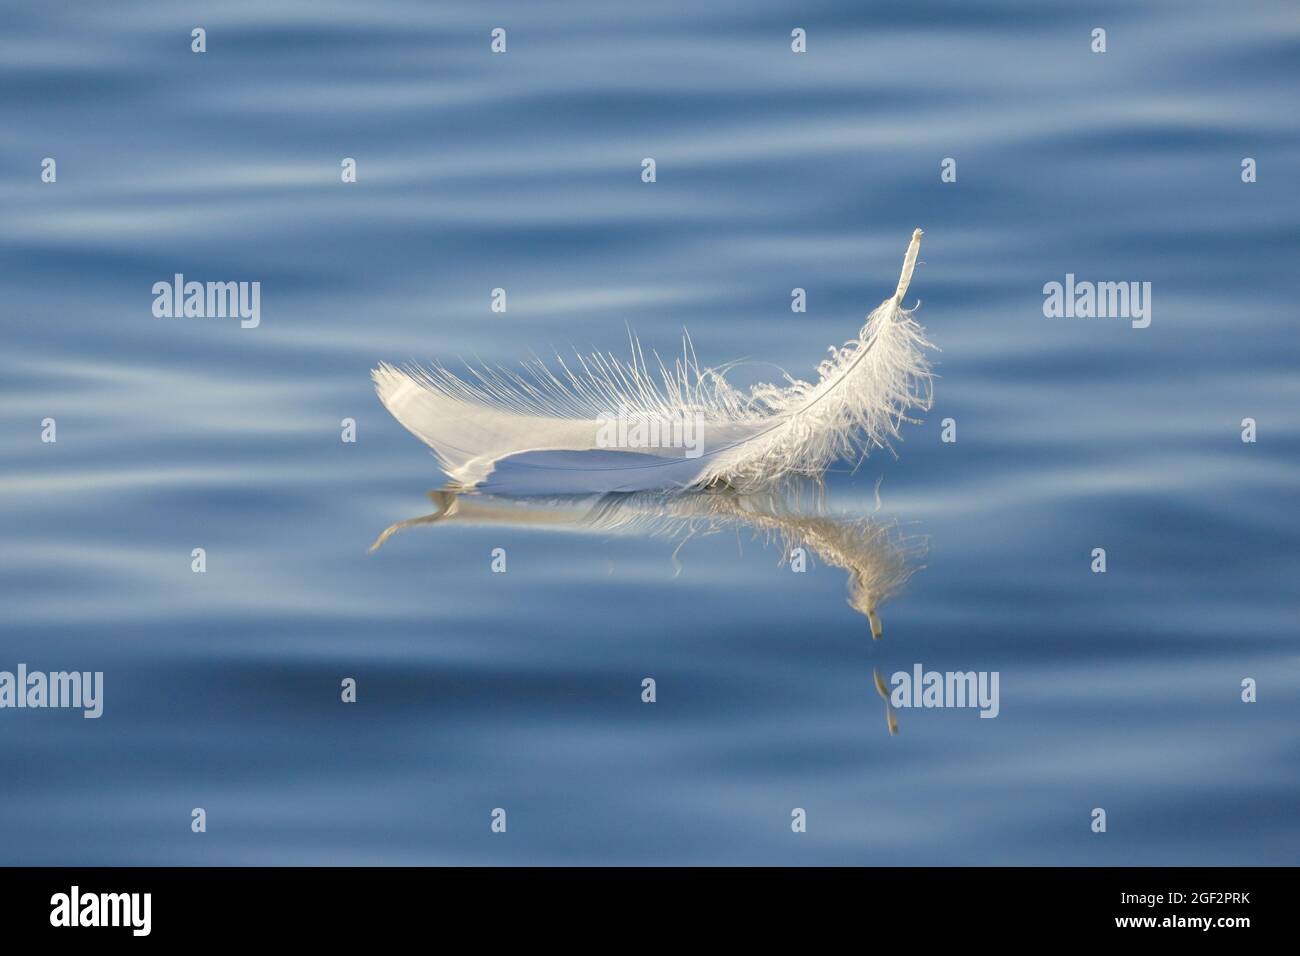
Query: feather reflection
[878, 559]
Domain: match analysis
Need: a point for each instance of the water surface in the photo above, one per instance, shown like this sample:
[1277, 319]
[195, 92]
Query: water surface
[522, 690]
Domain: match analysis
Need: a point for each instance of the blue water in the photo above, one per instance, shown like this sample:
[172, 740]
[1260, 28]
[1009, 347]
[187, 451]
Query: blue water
[522, 690]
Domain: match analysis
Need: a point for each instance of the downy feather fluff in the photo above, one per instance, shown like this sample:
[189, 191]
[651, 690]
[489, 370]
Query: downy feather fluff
[542, 430]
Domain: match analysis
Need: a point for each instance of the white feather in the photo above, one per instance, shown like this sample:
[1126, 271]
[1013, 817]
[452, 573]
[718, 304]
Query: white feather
[749, 439]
